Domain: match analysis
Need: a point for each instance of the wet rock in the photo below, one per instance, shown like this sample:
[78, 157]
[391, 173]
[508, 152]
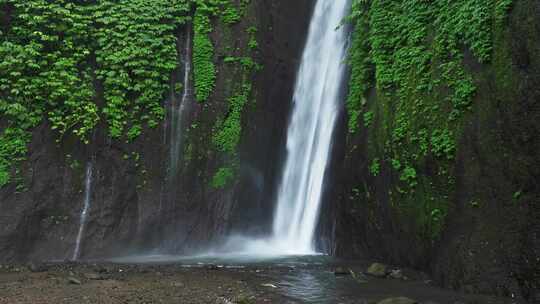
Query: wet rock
[397, 274]
[35, 267]
[377, 270]
[341, 271]
[359, 277]
[74, 281]
[398, 300]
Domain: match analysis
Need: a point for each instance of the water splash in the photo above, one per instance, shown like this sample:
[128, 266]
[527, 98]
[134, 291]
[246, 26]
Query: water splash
[317, 104]
[86, 209]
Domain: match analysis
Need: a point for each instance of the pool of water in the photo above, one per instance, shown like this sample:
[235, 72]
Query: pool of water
[311, 278]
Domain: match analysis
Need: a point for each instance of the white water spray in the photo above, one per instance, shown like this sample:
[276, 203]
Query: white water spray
[85, 210]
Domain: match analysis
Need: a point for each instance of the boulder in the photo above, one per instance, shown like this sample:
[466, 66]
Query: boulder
[377, 270]
[397, 274]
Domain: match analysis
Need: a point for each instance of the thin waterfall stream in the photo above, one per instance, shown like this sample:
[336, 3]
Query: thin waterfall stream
[178, 111]
[85, 210]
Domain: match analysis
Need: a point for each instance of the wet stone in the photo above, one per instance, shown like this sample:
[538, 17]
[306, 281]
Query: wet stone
[377, 270]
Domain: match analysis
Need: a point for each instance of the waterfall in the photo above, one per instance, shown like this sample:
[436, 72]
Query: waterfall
[316, 106]
[85, 210]
[317, 103]
[178, 111]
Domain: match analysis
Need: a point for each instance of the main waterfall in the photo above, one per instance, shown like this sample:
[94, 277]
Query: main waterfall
[316, 108]
[317, 103]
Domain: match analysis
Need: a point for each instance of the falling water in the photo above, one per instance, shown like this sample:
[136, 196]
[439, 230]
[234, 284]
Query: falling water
[85, 210]
[178, 111]
[316, 108]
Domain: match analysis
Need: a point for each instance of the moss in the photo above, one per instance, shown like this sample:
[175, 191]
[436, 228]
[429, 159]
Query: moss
[416, 51]
[222, 177]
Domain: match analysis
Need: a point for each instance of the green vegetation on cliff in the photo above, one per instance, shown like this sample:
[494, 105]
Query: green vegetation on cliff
[78, 64]
[415, 54]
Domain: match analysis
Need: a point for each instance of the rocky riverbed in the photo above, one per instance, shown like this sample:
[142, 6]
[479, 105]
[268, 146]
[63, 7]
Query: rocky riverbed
[221, 283]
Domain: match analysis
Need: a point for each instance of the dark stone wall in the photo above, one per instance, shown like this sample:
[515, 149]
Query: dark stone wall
[133, 208]
[490, 243]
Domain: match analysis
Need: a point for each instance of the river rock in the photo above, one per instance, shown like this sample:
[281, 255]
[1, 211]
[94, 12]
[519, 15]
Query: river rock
[377, 270]
[74, 281]
[396, 274]
[398, 300]
[34, 267]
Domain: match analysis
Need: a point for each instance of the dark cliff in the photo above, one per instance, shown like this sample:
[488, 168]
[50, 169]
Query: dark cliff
[464, 207]
[134, 209]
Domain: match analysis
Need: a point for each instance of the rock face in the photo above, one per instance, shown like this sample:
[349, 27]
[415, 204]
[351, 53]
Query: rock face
[131, 208]
[490, 237]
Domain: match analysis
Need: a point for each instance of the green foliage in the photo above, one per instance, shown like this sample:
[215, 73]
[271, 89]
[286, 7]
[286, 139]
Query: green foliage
[408, 175]
[375, 167]
[252, 44]
[13, 143]
[361, 70]
[54, 54]
[228, 136]
[136, 53]
[228, 129]
[368, 118]
[203, 50]
[230, 15]
[222, 177]
[204, 69]
[442, 144]
[413, 52]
